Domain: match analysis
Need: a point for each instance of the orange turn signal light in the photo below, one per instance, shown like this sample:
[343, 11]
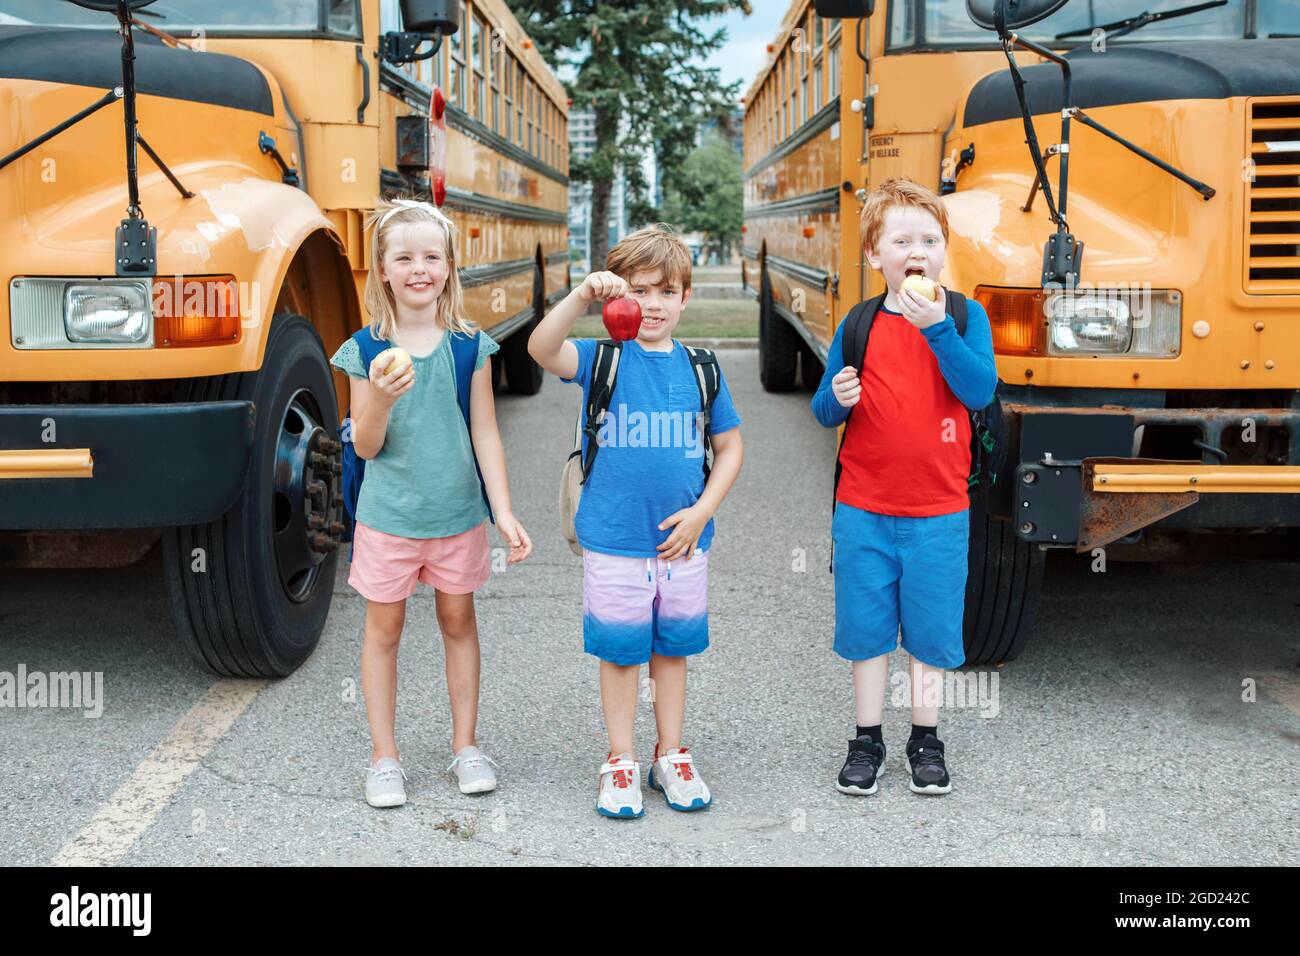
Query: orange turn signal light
[195, 310]
[1017, 317]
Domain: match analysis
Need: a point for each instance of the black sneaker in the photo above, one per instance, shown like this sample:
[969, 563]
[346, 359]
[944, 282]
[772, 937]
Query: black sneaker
[866, 762]
[929, 775]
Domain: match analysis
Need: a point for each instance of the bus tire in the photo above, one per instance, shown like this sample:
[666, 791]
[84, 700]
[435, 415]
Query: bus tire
[778, 344]
[1003, 582]
[249, 592]
[811, 369]
[523, 374]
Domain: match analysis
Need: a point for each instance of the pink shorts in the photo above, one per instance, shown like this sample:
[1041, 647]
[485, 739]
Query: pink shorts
[386, 567]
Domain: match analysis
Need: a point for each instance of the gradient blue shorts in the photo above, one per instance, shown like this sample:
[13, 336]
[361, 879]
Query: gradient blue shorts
[632, 607]
[895, 572]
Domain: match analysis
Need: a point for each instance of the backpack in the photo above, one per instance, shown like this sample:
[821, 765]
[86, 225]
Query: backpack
[988, 440]
[604, 375]
[464, 352]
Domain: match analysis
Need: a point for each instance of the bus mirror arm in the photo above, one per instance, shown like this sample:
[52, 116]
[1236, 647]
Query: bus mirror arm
[400, 48]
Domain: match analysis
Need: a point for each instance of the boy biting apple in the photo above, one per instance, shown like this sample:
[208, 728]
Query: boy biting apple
[901, 521]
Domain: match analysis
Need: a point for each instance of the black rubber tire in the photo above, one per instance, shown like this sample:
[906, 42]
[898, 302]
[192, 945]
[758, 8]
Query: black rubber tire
[498, 371]
[811, 369]
[778, 344]
[238, 619]
[1004, 579]
[523, 374]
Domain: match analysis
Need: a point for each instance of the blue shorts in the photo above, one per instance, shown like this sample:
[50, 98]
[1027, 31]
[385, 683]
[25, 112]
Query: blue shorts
[893, 571]
[635, 607]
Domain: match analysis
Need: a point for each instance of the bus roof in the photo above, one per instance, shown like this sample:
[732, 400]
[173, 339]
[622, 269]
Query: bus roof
[793, 17]
[500, 14]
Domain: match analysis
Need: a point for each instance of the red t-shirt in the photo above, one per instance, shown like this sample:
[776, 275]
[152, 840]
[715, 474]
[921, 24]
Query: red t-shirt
[907, 441]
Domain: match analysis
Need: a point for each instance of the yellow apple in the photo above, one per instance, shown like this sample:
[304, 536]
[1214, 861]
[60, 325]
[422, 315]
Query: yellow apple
[923, 286]
[390, 359]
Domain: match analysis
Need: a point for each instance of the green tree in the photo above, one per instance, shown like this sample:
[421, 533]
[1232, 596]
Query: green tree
[635, 65]
[706, 195]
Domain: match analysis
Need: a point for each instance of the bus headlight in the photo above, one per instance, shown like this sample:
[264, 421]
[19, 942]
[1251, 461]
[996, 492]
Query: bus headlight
[107, 312]
[1127, 322]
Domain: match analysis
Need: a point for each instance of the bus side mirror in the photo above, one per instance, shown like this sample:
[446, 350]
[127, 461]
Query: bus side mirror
[844, 9]
[430, 16]
[1015, 14]
[421, 20]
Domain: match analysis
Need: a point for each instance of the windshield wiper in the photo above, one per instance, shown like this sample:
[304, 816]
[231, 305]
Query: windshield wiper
[1121, 27]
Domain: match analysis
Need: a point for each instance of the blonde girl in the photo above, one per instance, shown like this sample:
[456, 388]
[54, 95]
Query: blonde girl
[434, 468]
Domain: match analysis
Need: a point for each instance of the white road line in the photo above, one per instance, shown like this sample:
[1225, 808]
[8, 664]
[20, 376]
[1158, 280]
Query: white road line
[132, 808]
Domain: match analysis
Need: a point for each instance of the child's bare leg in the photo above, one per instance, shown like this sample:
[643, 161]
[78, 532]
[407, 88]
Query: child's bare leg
[379, 674]
[869, 679]
[618, 686]
[459, 628]
[927, 693]
[668, 686]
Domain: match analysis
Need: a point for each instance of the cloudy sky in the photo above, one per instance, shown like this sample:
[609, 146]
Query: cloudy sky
[747, 39]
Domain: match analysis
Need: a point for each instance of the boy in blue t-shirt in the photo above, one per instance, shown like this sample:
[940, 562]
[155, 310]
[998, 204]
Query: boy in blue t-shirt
[645, 520]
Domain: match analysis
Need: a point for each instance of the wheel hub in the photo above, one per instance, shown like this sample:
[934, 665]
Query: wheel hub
[307, 496]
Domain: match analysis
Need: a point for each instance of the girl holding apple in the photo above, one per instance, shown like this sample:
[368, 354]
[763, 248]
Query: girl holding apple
[435, 474]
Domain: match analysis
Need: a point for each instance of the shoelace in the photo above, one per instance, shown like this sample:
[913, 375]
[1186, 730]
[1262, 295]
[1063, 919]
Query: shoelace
[622, 773]
[928, 757]
[387, 774]
[858, 757]
[682, 764]
[469, 763]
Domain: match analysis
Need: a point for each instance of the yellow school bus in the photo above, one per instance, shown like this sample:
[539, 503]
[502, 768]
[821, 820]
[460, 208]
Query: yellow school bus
[1138, 254]
[182, 247]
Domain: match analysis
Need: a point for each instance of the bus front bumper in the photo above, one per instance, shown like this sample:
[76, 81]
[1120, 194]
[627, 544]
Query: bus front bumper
[1080, 483]
[121, 466]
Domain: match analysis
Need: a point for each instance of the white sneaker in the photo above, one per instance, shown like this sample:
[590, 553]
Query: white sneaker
[675, 776]
[473, 775]
[385, 783]
[619, 795]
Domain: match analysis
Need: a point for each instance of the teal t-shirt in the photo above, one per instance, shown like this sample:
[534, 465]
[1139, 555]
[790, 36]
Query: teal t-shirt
[422, 483]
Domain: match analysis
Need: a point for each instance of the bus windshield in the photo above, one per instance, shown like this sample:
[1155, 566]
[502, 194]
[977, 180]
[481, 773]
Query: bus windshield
[182, 16]
[946, 23]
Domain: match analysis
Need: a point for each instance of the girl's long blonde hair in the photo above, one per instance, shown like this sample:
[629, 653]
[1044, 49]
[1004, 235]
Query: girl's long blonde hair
[380, 302]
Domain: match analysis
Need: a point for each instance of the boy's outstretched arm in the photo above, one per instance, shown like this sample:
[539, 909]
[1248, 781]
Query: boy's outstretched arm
[966, 363]
[549, 345]
[826, 406]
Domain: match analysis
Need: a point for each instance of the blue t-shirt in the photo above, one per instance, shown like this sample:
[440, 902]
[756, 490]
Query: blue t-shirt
[651, 458]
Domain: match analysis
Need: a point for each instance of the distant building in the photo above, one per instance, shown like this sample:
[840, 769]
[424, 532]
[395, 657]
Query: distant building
[582, 143]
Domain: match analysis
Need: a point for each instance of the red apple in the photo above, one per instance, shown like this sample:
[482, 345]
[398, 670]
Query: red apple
[622, 318]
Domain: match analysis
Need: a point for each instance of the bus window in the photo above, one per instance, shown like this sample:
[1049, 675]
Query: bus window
[456, 82]
[946, 22]
[1277, 18]
[902, 23]
[833, 67]
[476, 55]
[508, 89]
[494, 83]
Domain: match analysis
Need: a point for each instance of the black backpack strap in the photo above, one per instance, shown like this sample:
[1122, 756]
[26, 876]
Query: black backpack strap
[853, 344]
[604, 375]
[708, 379]
[957, 309]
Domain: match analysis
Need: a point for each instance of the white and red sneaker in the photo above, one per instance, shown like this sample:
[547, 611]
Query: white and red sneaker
[619, 795]
[675, 776]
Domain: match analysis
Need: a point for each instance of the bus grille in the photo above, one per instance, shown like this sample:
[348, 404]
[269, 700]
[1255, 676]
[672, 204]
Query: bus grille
[1273, 227]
